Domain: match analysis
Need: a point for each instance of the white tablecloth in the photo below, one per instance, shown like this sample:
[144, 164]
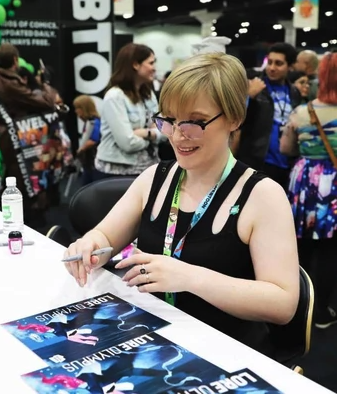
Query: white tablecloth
[37, 281]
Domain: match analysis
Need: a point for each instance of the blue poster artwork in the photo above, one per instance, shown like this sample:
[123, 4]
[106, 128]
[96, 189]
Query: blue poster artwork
[146, 364]
[82, 328]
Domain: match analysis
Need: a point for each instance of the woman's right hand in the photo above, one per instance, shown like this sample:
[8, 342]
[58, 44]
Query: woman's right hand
[84, 246]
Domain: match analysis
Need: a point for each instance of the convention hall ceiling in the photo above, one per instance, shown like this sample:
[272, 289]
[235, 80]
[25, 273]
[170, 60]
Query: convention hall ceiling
[261, 15]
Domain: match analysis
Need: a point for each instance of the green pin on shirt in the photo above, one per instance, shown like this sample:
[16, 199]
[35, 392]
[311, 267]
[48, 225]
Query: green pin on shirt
[234, 210]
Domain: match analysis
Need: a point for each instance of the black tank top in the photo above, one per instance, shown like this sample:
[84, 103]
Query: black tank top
[223, 252]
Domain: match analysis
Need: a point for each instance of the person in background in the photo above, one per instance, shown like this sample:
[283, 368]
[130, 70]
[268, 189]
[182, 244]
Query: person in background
[307, 61]
[29, 79]
[20, 101]
[129, 139]
[166, 75]
[301, 81]
[208, 226]
[313, 189]
[271, 100]
[85, 109]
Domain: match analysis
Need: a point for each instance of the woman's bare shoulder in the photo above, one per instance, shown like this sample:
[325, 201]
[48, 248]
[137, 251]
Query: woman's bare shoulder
[145, 180]
[268, 196]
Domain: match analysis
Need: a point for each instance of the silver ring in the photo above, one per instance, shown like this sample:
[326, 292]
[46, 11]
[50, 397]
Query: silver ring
[143, 270]
[147, 278]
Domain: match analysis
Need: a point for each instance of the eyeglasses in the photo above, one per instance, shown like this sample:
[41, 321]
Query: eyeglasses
[190, 129]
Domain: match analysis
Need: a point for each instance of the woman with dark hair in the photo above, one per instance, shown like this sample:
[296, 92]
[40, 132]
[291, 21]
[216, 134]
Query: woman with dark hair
[128, 136]
[301, 81]
[313, 188]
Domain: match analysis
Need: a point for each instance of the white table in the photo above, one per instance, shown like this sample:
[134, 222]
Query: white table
[37, 281]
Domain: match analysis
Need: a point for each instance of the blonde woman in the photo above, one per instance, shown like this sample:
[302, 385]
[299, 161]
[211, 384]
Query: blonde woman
[208, 226]
[85, 109]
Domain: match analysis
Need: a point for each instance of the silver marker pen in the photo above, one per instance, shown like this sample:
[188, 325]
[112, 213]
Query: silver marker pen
[79, 257]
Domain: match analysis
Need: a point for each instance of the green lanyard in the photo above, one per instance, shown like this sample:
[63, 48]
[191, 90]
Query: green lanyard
[200, 211]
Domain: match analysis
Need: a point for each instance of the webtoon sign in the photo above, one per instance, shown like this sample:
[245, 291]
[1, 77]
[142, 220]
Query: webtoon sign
[87, 57]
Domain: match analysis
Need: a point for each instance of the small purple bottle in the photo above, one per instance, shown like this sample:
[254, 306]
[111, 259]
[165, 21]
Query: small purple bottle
[15, 242]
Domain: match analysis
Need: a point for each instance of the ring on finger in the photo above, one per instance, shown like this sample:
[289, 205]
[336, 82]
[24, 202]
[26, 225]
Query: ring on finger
[147, 278]
[143, 270]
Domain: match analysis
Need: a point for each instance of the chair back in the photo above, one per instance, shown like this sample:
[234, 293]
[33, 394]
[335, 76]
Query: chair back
[60, 235]
[91, 203]
[293, 339]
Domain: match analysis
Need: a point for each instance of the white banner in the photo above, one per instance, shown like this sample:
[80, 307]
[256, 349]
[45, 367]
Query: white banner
[306, 14]
[122, 7]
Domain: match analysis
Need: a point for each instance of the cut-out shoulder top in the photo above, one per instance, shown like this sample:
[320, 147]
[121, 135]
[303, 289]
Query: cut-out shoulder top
[223, 252]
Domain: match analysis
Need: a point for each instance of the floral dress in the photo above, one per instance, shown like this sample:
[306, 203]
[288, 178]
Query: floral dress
[313, 179]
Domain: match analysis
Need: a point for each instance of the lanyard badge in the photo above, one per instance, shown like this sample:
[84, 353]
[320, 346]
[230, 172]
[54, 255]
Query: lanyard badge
[200, 211]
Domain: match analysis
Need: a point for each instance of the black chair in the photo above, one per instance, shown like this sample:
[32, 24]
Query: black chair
[60, 235]
[91, 203]
[292, 340]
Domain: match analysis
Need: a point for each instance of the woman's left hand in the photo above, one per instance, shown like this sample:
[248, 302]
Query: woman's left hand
[156, 273]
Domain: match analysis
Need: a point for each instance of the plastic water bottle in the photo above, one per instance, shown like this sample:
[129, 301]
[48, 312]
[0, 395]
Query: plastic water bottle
[12, 207]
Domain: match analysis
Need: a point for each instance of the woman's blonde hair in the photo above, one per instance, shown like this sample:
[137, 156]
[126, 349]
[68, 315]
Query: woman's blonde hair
[87, 105]
[220, 76]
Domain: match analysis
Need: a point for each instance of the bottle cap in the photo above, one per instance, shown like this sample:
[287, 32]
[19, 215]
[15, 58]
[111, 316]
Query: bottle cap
[11, 181]
[15, 235]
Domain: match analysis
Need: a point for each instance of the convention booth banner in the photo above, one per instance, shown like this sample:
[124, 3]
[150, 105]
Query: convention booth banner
[124, 7]
[87, 44]
[34, 29]
[306, 14]
[87, 39]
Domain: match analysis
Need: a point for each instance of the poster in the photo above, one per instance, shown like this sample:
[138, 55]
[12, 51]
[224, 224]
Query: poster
[32, 33]
[147, 364]
[67, 333]
[306, 14]
[39, 147]
[34, 28]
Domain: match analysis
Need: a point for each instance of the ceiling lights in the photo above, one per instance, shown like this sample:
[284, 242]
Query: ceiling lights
[162, 8]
